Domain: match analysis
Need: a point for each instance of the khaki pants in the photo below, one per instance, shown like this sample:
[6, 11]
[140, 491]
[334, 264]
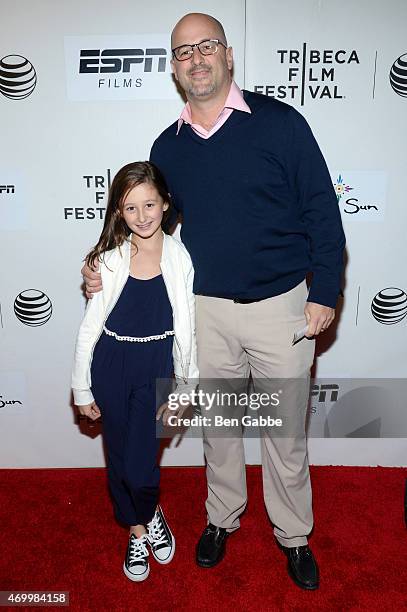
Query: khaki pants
[235, 340]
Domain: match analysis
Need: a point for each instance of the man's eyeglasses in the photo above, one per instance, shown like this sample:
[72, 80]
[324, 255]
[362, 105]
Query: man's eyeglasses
[206, 47]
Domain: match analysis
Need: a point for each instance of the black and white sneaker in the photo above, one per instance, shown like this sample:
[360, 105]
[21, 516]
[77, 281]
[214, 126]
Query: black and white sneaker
[136, 566]
[161, 540]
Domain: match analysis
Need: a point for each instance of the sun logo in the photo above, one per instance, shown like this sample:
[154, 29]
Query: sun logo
[341, 188]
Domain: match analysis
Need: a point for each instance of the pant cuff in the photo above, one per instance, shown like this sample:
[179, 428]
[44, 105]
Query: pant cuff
[292, 542]
[228, 529]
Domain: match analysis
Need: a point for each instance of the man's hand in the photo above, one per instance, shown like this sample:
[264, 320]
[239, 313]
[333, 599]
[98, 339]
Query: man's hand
[165, 412]
[90, 410]
[92, 279]
[319, 318]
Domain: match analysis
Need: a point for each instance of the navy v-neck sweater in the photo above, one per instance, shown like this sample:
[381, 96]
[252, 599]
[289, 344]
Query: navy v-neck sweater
[258, 207]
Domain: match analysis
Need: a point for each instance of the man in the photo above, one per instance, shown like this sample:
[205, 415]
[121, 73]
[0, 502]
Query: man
[259, 212]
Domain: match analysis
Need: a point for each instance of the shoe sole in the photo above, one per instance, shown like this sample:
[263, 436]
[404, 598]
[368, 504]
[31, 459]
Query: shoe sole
[169, 558]
[134, 577]
[300, 584]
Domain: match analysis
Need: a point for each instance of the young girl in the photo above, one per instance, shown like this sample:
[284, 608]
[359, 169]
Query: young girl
[126, 341]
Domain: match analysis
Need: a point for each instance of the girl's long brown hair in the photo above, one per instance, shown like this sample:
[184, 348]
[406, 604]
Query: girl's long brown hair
[115, 229]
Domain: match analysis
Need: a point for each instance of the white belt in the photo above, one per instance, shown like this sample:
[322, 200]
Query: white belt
[136, 339]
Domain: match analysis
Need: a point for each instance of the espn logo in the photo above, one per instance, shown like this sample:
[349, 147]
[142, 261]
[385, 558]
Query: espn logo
[113, 61]
[7, 188]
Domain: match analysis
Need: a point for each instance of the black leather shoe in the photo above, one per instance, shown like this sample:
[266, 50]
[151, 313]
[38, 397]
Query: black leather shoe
[211, 546]
[302, 567]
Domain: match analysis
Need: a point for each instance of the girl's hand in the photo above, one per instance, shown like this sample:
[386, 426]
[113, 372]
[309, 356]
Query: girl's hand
[165, 412]
[90, 410]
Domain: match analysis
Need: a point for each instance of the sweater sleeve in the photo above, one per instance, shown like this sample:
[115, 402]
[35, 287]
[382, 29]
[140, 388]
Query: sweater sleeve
[189, 385]
[319, 212]
[87, 335]
[193, 372]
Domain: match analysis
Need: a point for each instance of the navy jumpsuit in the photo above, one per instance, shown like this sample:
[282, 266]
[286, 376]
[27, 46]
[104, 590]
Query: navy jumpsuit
[123, 374]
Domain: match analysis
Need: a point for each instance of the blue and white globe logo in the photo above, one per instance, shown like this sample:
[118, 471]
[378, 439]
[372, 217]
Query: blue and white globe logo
[32, 307]
[17, 77]
[398, 76]
[389, 306]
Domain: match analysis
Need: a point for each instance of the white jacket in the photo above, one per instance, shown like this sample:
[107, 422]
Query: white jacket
[178, 274]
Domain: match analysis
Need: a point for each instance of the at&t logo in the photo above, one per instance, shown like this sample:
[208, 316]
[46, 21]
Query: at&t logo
[32, 307]
[17, 77]
[389, 306]
[398, 76]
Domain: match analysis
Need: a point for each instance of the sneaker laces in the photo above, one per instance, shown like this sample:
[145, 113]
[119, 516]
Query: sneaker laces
[138, 549]
[156, 531]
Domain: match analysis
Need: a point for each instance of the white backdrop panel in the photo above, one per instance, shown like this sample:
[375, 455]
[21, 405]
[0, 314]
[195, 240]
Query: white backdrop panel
[62, 142]
[327, 59]
[51, 144]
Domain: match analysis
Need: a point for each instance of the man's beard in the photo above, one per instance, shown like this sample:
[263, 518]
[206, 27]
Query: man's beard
[201, 90]
[197, 91]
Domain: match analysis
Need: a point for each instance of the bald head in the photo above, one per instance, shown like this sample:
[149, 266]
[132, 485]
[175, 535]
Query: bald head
[205, 77]
[188, 25]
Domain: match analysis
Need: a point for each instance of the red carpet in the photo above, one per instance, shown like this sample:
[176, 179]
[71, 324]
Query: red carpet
[57, 533]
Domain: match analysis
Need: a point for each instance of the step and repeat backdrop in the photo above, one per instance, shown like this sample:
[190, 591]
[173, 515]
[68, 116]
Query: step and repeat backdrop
[86, 87]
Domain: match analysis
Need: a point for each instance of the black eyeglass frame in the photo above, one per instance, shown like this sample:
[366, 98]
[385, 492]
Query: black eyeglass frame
[197, 45]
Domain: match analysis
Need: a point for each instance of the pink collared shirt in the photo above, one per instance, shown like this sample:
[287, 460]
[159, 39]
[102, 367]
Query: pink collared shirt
[234, 101]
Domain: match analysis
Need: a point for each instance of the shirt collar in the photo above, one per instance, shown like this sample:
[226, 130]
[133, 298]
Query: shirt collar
[234, 101]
